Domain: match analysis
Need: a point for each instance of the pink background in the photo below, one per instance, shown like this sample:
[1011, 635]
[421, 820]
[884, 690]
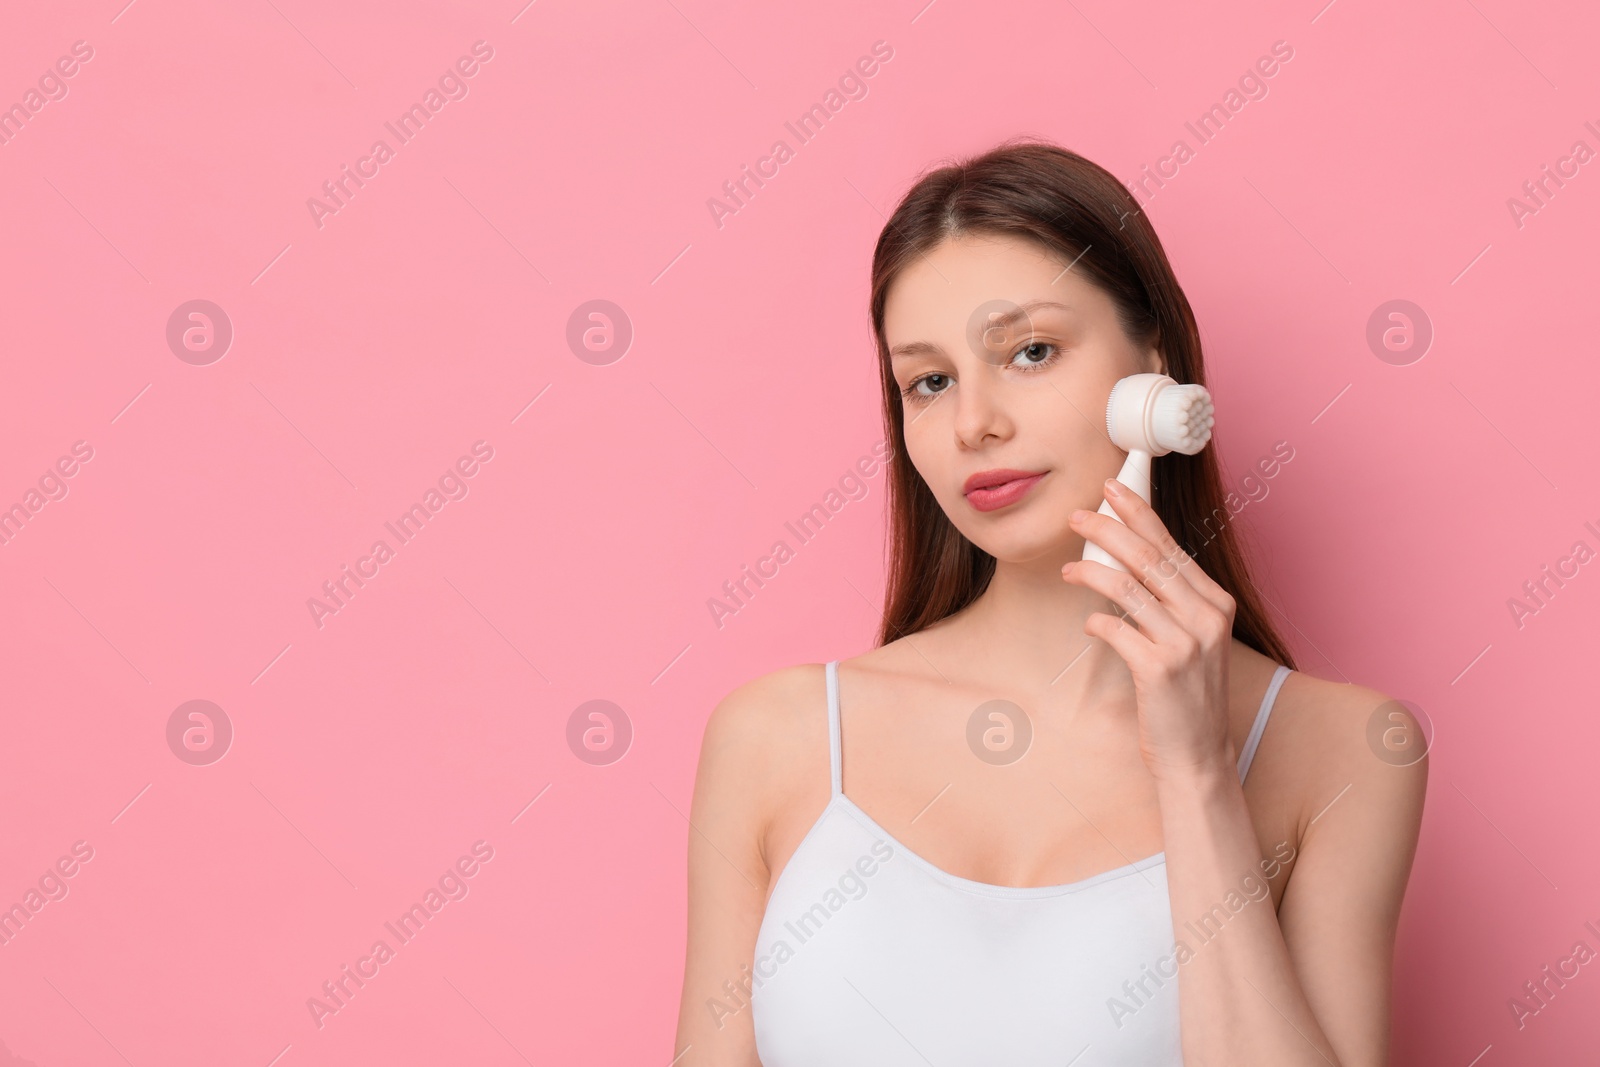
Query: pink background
[371, 352]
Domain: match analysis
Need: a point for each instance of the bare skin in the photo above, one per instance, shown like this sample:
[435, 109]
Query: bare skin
[1134, 745]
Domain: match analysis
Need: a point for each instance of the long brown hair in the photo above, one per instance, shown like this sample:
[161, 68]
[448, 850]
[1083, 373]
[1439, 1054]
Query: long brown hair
[1056, 198]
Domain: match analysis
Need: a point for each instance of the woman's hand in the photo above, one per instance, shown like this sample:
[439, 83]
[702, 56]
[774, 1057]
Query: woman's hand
[1179, 652]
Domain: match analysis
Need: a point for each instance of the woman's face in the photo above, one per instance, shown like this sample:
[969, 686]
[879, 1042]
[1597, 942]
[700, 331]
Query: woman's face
[1005, 360]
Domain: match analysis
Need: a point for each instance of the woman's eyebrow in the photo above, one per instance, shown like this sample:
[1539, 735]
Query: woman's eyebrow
[915, 348]
[1007, 318]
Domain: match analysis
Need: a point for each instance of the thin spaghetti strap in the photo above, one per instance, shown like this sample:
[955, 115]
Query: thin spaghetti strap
[834, 762]
[1260, 725]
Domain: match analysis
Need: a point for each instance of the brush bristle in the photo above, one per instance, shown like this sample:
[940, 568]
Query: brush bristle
[1183, 417]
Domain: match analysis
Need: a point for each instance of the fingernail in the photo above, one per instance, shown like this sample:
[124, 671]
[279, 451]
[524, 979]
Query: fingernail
[1079, 515]
[1111, 487]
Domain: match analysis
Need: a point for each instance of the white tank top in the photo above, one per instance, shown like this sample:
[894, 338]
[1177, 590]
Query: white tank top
[870, 955]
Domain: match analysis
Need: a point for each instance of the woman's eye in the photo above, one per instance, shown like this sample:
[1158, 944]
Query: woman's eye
[1031, 356]
[1031, 349]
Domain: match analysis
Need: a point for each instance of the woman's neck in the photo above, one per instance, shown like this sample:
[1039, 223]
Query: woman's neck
[1027, 627]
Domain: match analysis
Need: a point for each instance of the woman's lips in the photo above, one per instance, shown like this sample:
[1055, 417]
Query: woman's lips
[999, 496]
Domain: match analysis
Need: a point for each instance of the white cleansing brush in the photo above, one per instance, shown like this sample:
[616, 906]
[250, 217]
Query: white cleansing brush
[1150, 415]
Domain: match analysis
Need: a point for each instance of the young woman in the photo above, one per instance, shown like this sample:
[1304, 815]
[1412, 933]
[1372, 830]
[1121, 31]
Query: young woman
[1020, 830]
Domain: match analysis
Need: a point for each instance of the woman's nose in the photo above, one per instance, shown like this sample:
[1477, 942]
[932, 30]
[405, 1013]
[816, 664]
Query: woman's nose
[980, 406]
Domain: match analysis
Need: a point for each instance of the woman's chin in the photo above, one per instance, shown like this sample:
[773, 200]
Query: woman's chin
[1024, 546]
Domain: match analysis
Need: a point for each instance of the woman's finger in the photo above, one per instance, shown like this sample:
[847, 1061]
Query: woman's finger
[1165, 577]
[1129, 594]
[1125, 640]
[1169, 561]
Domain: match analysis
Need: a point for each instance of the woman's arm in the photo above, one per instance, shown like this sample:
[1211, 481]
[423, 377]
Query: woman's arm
[733, 794]
[1312, 989]
[1310, 984]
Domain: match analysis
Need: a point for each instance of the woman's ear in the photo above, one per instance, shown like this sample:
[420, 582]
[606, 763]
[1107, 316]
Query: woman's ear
[1155, 360]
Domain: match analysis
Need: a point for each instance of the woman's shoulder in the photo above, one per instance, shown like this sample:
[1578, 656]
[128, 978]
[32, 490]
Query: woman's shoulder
[771, 706]
[764, 736]
[1334, 712]
[1324, 734]
[1302, 693]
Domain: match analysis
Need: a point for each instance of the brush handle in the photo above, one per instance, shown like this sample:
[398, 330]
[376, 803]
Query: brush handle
[1135, 474]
